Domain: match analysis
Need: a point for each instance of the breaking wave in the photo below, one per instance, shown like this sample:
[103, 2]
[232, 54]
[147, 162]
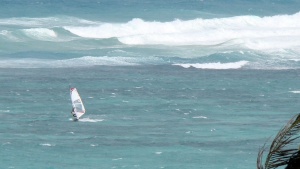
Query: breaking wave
[251, 32]
[40, 33]
[246, 32]
[85, 61]
[253, 42]
[218, 65]
[46, 22]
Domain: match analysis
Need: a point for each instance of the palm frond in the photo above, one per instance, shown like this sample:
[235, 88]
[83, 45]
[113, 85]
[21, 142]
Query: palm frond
[283, 147]
[259, 157]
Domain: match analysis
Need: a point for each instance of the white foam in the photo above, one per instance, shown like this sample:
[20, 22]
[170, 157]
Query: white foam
[90, 120]
[296, 92]
[85, 61]
[40, 28]
[199, 117]
[46, 144]
[249, 31]
[40, 34]
[45, 22]
[218, 65]
[253, 32]
[9, 35]
[6, 143]
[4, 32]
[93, 145]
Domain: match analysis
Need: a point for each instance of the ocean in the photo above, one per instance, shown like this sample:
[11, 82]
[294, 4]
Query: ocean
[167, 84]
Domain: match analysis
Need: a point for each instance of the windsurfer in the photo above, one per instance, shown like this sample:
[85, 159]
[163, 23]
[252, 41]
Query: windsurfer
[73, 113]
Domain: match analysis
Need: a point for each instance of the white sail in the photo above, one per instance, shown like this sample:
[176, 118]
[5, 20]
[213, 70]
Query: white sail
[77, 104]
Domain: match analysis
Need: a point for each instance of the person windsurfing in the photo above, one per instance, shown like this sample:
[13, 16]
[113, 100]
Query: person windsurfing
[74, 114]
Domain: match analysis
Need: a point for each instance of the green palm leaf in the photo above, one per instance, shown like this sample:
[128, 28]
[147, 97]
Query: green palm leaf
[284, 146]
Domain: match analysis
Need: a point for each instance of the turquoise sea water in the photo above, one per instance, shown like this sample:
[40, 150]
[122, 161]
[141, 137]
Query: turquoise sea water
[172, 84]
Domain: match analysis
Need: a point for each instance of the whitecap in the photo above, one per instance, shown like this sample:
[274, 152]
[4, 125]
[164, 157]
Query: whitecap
[199, 117]
[46, 144]
[84, 61]
[90, 120]
[6, 143]
[40, 34]
[253, 32]
[217, 65]
[93, 145]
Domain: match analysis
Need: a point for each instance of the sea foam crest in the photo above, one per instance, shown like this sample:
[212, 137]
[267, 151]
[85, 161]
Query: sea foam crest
[44, 22]
[40, 33]
[85, 61]
[8, 35]
[250, 31]
[90, 120]
[218, 65]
